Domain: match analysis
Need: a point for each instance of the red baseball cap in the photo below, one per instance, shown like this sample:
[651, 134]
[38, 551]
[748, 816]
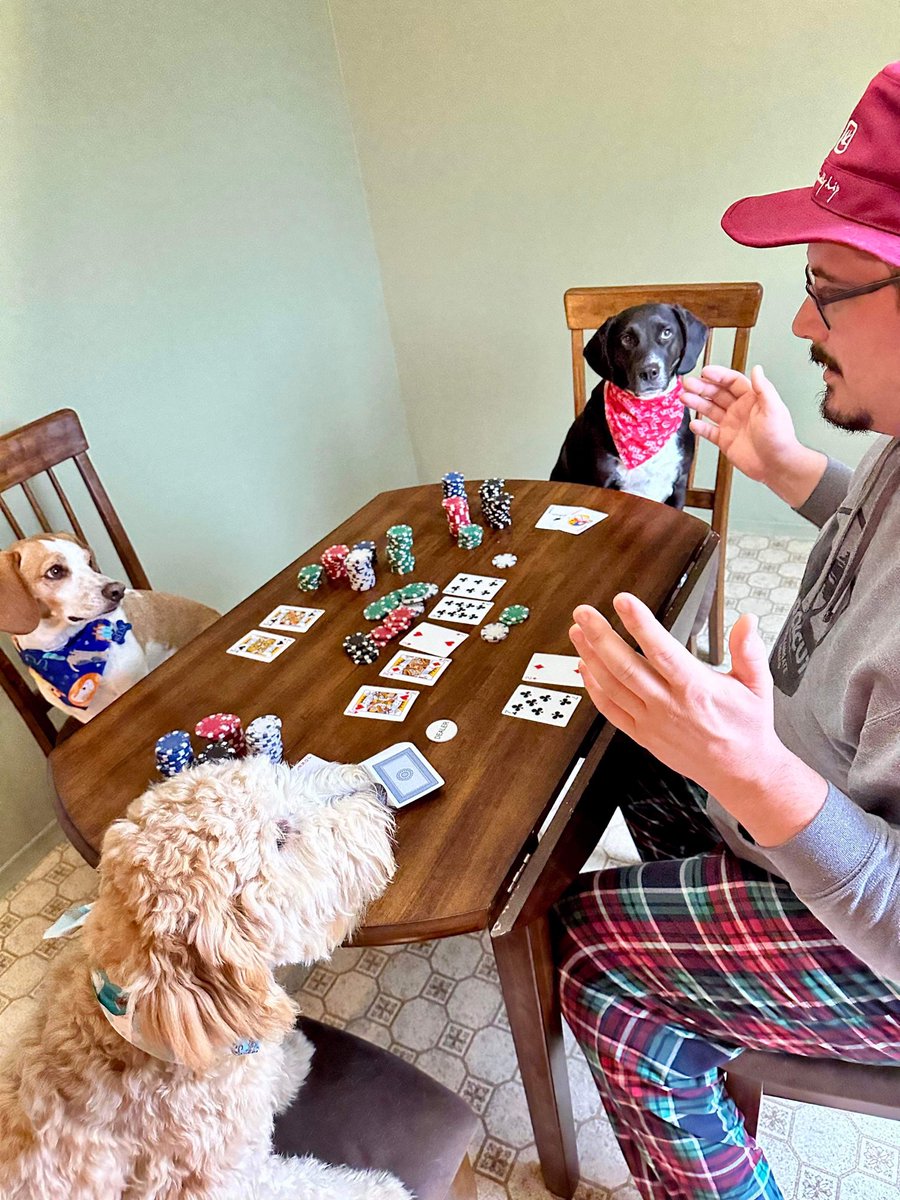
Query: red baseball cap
[855, 199]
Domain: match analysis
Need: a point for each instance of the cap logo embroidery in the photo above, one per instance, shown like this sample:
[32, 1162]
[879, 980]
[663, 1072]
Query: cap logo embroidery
[846, 137]
[830, 185]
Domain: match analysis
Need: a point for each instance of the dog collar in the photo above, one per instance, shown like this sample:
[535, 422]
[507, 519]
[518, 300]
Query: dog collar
[641, 425]
[113, 1000]
[75, 670]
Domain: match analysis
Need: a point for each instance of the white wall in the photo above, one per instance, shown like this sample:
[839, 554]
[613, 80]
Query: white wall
[188, 263]
[514, 148]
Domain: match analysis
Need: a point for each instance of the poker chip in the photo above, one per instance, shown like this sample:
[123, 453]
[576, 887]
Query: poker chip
[263, 736]
[495, 503]
[334, 560]
[495, 632]
[381, 607]
[418, 591]
[368, 546]
[399, 549]
[362, 648]
[457, 510]
[514, 614]
[174, 752]
[503, 561]
[225, 728]
[309, 577]
[214, 752]
[360, 569]
[470, 537]
[454, 484]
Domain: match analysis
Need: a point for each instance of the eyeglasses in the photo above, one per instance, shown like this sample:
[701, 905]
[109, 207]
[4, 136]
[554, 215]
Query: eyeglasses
[833, 297]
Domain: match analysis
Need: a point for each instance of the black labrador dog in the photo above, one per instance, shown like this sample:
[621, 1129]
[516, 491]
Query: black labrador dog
[635, 436]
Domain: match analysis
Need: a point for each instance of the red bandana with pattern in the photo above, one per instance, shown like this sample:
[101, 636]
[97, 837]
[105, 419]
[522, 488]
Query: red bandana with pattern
[641, 425]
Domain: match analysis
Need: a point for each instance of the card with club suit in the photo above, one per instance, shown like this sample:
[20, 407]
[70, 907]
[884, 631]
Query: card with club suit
[554, 668]
[433, 639]
[544, 705]
[474, 587]
[462, 612]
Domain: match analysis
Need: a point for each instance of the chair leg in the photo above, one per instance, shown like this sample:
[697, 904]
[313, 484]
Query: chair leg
[463, 1186]
[717, 619]
[747, 1096]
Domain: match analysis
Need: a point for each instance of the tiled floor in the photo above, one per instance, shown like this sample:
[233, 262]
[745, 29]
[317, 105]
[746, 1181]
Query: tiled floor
[438, 1004]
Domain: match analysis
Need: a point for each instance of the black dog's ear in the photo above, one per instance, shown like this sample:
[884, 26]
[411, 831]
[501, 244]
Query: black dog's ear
[693, 333]
[596, 353]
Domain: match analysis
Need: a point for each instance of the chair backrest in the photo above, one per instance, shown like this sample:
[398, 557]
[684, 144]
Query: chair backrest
[30, 488]
[719, 305]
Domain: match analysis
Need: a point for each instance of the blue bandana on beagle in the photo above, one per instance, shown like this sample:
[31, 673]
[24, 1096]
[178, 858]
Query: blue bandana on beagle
[75, 670]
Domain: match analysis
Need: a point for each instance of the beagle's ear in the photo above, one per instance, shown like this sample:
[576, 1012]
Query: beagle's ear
[596, 352]
[19, 611]
[693, 333]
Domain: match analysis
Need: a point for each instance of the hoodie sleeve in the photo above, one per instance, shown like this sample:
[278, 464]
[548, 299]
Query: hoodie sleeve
[828, 493]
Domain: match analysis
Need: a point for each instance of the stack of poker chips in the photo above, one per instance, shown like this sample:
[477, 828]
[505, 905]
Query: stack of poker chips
[263, 736]
[412, 595]
[454, 484]
[360, 569]
[334, 560]
[362, 648]
[368, 546]
[174, 753]
[457, 510]
[225, 728]
[309, 577]
[214, 752]
[397, 621]
[495, 503]
[399, 549]
[498, 631]
[469, 537]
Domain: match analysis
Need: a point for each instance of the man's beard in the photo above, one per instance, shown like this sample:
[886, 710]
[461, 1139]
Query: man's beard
[861, 421]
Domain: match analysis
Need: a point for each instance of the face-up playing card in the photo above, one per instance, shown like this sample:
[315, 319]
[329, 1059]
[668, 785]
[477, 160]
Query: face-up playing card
[433, 639]
[462, 612]
[569, 519]
[410, 667]
[381, 704]
[544, 705]
[474, 587]
[291, 618]
[260, 646]
[554, 668]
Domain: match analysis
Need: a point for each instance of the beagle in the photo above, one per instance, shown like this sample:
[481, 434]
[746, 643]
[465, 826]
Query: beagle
[84, 637]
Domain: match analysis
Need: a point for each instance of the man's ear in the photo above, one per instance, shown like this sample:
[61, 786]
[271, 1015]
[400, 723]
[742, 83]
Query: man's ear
[19, 611]
[693, 333]
[596, 352]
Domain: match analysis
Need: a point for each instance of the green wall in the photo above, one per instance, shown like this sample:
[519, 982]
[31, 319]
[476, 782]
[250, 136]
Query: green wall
[188, 263]
[514, 148]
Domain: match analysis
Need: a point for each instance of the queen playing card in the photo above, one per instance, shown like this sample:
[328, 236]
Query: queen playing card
[260, 646]
[410, 667]
[381, 704]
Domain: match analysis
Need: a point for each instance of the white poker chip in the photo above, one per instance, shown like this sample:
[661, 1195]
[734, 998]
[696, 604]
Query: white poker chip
[504, 560]
[442, 731]
[495, 632]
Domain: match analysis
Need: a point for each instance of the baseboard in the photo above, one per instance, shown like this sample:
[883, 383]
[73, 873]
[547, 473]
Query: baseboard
[26, 859]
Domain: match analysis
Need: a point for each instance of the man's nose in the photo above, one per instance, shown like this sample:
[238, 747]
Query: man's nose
[808, 322]
[113, 592]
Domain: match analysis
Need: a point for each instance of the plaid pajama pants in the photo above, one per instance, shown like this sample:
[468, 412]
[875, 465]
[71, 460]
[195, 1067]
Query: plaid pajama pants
[671, 968]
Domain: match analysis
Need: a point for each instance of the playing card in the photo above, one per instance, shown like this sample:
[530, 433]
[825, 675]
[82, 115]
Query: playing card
[260, 646]
[415, 668]
[291, 618]
[433, 639]
[544, 705]
[381, 704]
[463, 612]
[569, 518]
[474, 587]
[404, 772]
[554, 668]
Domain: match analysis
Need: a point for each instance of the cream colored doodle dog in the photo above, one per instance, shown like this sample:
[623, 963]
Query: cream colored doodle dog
[84, 637]
[164, 1045]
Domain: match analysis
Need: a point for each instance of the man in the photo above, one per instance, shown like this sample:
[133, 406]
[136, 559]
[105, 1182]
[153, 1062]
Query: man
[787, 936]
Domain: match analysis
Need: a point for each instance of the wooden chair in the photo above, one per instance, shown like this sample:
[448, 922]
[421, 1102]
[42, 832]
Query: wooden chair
[720, 306]
[29, 457]
[832, 1083]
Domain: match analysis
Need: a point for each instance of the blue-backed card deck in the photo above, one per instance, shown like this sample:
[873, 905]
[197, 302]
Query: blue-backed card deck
[404, 772]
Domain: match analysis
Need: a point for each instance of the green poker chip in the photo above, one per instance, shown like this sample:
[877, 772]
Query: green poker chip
[382, 606]
[514, 614]
[417, 591]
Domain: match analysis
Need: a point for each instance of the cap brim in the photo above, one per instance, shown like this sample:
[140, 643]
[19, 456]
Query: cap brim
[792, 218]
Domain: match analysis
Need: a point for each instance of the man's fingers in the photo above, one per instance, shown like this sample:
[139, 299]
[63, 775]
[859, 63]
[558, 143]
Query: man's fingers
[666, 655]
[707, 430]
[604, 705]
[619, 681]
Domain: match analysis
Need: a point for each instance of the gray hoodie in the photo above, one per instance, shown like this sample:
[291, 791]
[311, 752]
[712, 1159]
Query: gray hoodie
[836, 665]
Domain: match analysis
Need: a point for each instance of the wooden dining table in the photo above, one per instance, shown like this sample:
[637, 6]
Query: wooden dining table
[469, 857]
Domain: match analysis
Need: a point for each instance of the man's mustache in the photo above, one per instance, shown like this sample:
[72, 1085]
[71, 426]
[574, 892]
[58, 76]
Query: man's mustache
[818, 356]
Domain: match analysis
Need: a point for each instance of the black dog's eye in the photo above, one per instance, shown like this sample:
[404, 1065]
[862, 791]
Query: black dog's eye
[628, 339]
[57, 571]
[665, 334]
